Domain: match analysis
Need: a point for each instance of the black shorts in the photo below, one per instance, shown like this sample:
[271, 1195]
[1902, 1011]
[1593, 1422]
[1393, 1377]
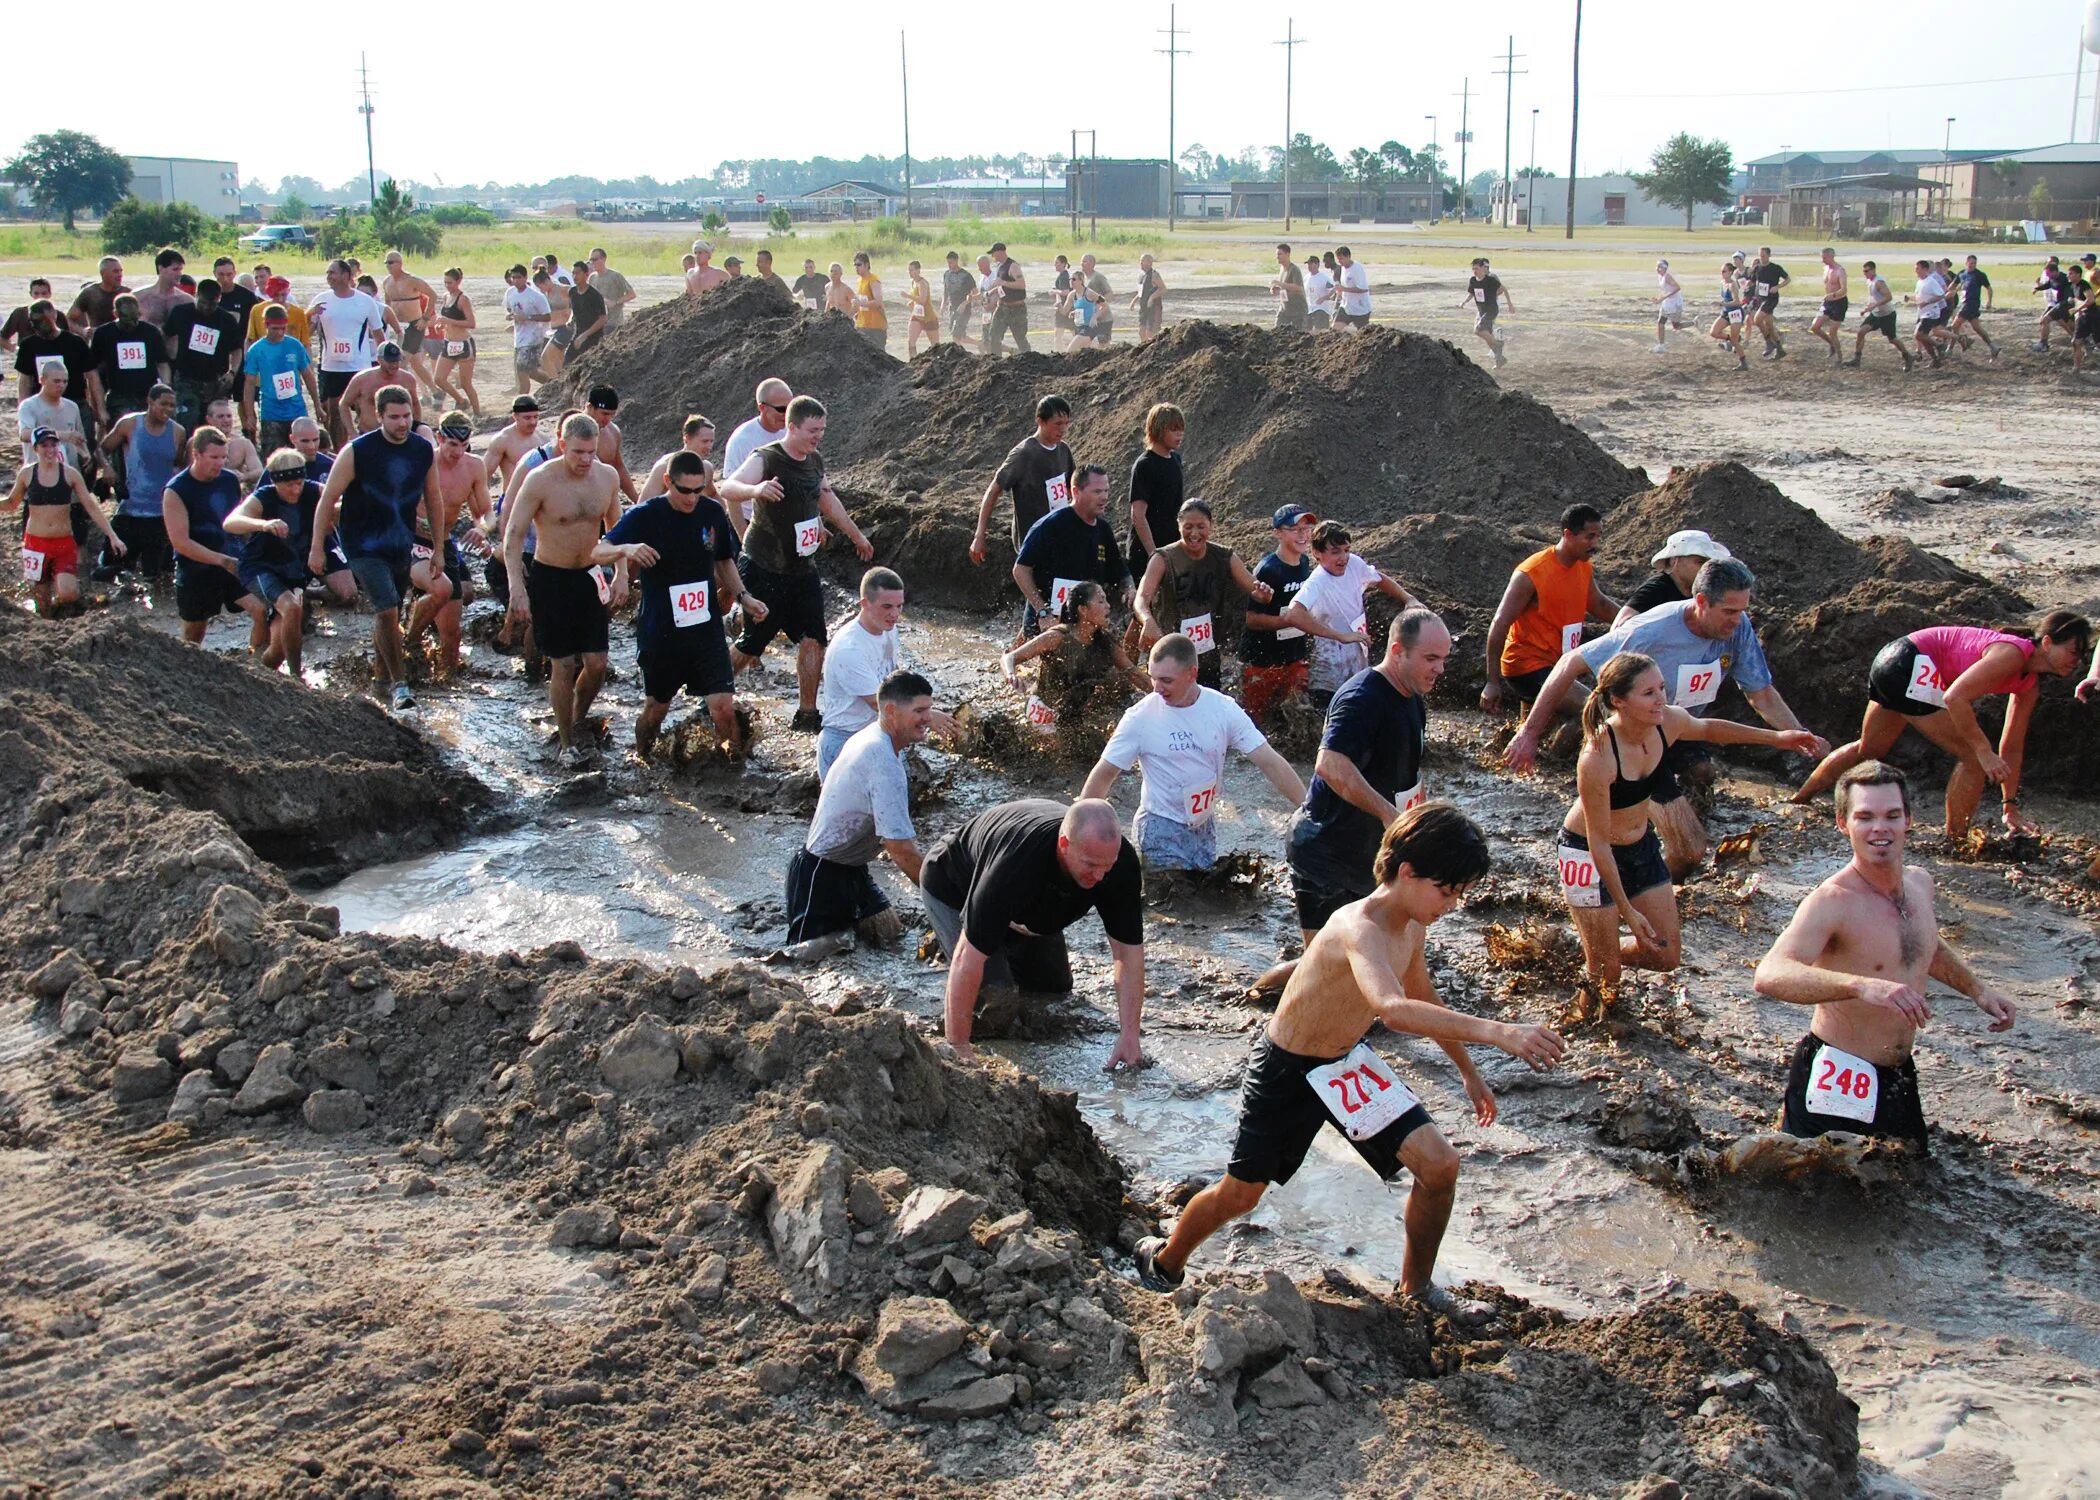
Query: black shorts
[1834, 308]
[1280, 1116]
[455, 568]
[1320, 892]
[824, 897]
[2087, 325]
[698, 662]
[1352, 320]
[202, 592]
[335, 382]
[1526, 685]
[1677, 756]
[568, 618]
[794, 608]
[2060, 313]
[1319, 319]
[1768, 303]
[1899, 1112]
[412, 338]
[1969, 312]
[1881, 322]
[1640, 863]
[497, 577]
[1888, 680]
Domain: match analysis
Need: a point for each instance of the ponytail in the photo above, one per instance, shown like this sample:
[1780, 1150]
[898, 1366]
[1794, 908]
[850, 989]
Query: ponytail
[1614, 681]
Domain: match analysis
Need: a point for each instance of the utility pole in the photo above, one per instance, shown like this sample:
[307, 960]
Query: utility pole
[1509, 70]
[1436, 174]
[1465, 139]
[1076, 174]
[1574, 118]
[904, 73]
[1072, 171]
[1173, 50]
[1290, 44]
[364, 83]
[1531, 189]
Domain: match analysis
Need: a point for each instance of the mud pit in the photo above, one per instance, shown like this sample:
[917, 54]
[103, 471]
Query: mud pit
[266, 1308]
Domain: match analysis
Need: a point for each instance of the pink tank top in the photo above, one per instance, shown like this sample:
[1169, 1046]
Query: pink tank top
[1956, 648]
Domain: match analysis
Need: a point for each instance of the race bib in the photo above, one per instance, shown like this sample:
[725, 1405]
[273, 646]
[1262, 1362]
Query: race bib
[1362, 1092]
[1414, 796]
[131, 354]
[1698, 684]
[32, 565]
[340, 348]
[1570, 637]
[1061, 590]
[1361, 625]
[1579, 881]
[1058, 490]
[603, 579]
[1041, 715]
[284, 385]
[807, 535]
[689, 604]
[1735, 315]
[420, 551]
[1480, 294]
[46, 363]
[1198, 629]
[1843, 1085]
[1289, 633]
[203, 340]
[2049, 297]
[455, 348]
[1926, 684]
[1197, 802]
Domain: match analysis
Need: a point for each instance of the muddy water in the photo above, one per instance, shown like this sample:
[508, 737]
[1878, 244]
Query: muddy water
[1962, 1310]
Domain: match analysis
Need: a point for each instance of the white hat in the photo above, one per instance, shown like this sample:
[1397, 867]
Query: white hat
[1691, 544]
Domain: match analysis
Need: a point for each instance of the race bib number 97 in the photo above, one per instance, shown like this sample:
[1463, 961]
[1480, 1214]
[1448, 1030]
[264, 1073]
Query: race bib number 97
[1362, 1092]
[1698, 685]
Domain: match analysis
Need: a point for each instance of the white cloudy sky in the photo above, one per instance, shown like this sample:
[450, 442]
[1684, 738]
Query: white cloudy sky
[670, 90]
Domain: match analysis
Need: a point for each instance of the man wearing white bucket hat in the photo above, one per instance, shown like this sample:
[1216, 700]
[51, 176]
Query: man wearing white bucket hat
[1677, 563]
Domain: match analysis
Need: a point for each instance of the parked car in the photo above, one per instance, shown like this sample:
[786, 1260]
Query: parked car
[1745, 214]
[279, 236]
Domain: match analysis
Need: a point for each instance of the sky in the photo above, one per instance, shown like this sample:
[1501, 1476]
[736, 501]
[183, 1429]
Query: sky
[829, 85]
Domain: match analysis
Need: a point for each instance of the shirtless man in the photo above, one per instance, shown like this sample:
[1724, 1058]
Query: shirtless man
[463, 485]
[1860, 949]
[573, 500]
[242, 457]
[509, 447]
[697, 437]
[365, 385]
[705, 276]
[1829, 325]
[600, 406]
[411, 301]
[1313, 1067]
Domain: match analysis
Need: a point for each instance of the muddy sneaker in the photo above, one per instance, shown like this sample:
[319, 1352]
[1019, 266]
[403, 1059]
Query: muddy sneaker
[1852, 363]
[1742, 362]
[2040, 346]
[1909, 362]
[806, 721]
[403, 698]
[575, 758]
[1448, 1304]
[1153, 1276]
[1779, 351]
[1658, 349]
[1499, 360]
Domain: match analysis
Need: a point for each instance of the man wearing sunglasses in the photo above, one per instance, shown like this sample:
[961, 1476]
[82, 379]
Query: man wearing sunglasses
[752, 434]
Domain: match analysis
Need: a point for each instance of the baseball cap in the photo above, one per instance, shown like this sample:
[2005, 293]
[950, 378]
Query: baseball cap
[1692, 544]
[43, 435]
[1290, 515]
[389, 351]
[996, 248]
[525, 403]
[276, 286]
[733, 261]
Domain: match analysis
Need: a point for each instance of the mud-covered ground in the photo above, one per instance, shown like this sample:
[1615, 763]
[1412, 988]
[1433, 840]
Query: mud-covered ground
[597, 1226]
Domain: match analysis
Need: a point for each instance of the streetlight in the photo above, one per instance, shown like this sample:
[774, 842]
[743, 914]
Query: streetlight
[1531, 193]
[1436, 201]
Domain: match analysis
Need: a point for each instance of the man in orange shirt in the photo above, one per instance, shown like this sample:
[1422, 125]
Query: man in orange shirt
[1540, 618]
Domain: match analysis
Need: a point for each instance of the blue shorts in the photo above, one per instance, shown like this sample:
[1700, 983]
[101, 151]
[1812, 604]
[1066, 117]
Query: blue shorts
[1169, 844]
[272, 584]
[382, 576]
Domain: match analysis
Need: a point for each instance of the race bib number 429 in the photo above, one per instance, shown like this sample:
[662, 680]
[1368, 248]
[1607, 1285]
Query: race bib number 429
[689, 604]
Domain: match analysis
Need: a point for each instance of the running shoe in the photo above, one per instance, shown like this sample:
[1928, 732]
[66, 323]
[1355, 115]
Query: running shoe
[1153, 1276]
[403, 698]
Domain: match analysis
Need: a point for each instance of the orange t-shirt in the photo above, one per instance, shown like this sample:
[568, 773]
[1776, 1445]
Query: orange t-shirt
[1539, 638]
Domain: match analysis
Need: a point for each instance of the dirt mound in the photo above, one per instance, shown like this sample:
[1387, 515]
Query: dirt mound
[707, 354]
[315, 782]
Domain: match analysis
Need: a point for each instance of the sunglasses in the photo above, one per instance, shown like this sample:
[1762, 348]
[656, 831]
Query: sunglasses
[769, 406]
[690, 489]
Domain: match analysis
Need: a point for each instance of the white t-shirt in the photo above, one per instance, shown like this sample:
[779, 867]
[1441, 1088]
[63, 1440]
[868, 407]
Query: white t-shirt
[855, 663]
[349, 329]
[1338, 601]
[749, 437]
[527, 302]
[1319, 291]
[1356, 289]
[1931, 295]
[866, 799]
[62, 417]
[1180, 751]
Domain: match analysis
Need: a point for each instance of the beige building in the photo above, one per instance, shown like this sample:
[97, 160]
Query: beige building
[2002, 187]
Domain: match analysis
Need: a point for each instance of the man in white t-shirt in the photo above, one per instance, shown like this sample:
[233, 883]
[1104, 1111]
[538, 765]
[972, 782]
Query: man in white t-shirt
[753, 433]
[532, 320]
[51, 407]
[1329, 607]
[1319, 294]
[1355, 289]
[862, 655]
[1177, 736]
[863, 810]
[347, 328]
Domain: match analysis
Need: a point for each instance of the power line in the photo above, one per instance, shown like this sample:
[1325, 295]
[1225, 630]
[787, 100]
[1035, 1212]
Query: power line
[1878, 88]
[1173, 51]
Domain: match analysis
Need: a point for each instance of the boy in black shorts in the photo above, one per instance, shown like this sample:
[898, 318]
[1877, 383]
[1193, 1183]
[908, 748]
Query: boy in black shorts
[1312, 1067]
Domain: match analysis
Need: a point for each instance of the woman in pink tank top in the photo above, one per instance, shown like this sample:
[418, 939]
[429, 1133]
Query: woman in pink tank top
[1931, 680]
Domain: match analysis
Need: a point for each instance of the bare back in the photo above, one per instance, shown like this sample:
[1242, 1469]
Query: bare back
[1324, 1011]
[508, 447]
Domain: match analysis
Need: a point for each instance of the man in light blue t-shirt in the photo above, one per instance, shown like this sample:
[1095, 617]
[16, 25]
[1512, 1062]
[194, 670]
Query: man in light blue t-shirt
[1697, 643]
[277, 372]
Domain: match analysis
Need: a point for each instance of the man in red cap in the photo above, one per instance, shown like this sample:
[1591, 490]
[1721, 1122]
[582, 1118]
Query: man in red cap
[278, 290]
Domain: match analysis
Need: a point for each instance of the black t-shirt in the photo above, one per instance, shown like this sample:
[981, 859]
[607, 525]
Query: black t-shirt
[1485, 290]
[259, 549]
[1001, 868]
[1063, 546]
[810, 289]
[586, 306]
[207, 504]
[1768, 276]
[1656, 589]
[782, 535]
[1157, 480]
[1261, 648]
[239, 301]
[1031, 473]
[681, 587]
[1972, 285]
[1009, 272]
[205, 342]
[129, 357]
[66, 345]
[956, 286]
[1379, 729]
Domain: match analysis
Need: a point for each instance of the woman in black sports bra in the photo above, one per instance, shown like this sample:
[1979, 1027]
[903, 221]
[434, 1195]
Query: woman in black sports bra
[1627, 724]
[454, 375]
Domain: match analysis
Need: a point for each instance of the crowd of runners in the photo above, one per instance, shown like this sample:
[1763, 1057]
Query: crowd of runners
[265, 491]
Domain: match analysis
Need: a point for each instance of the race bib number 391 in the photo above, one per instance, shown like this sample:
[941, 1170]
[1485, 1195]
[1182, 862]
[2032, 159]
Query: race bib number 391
[203, 340]
[1362, 1092]
[131, 355]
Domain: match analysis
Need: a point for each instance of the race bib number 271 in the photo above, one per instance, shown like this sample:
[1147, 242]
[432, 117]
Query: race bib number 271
[1361, 1092]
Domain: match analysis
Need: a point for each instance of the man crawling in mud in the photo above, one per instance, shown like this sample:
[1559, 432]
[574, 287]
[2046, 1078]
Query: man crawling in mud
[1860, 950]
[1313, 1067]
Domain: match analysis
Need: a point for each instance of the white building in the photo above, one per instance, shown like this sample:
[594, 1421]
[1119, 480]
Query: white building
[214, 187]
[1611, 199]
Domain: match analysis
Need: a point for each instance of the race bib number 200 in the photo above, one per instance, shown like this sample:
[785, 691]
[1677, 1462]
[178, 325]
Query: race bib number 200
[1362, 1092]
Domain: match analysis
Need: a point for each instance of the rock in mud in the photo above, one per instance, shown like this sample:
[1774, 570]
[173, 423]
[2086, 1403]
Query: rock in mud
[642, 1055]
[913, 1334]
[233, 923]
[236, 1060]
[77, 1018]
[1236, 1326]
[586, 1226]
[334, 1111]
[710, 1282]
[269, 1084]
[776, 1377]
[465, 1127]
[808, 1213]
[83, 896]
[1653, 1487]
[935, 1216]
[197, 1089]
[285, 977]
[980, 1398]
[345, 1066]
[1285, 1385]
[138, 1075]
[59, 975]
[1649, 1121]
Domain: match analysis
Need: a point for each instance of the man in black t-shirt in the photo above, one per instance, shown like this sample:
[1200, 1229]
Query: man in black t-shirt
[1072, 545]
[1768, 276]
[1156, 486]
[130, 359]
[1011, 313]
[958, 290]
[1487, 296]
[204, 343]
[46, 341]
[1275, 659]
[809, 286]
[1036, 471]
[793, 501]
[1001, 890]
[233, 297]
